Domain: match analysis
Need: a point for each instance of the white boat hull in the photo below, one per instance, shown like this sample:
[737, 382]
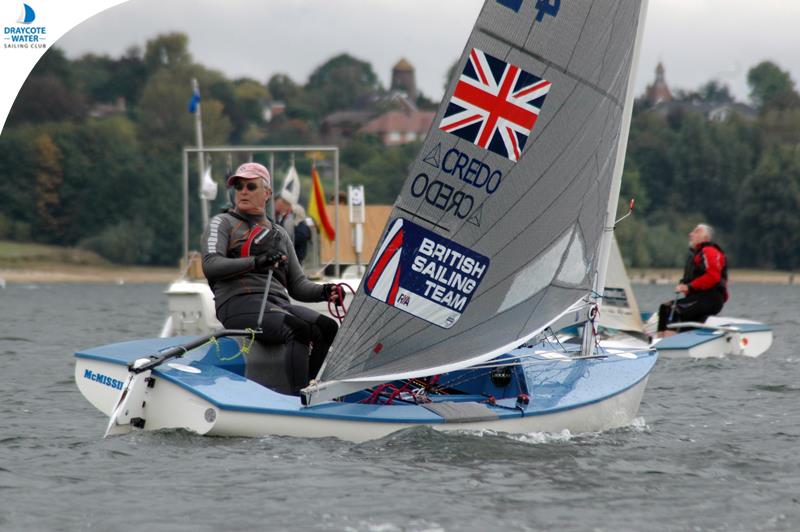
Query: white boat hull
[168, 406]
[719, 338]
[187, 394]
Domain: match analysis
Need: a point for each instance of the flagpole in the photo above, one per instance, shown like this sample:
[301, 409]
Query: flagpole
[336, 212]
[201, 164]
[271, 207]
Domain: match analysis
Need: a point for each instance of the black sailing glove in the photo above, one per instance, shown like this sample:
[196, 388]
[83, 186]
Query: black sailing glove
[271, 258]
[331, 292]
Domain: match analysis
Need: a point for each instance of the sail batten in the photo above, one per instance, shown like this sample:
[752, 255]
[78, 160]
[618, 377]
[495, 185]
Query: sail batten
[497, 231]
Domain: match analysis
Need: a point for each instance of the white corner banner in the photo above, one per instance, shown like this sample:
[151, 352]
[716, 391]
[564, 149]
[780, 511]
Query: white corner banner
[30, 27]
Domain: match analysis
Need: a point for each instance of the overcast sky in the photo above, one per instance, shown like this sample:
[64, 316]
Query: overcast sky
[697, 40]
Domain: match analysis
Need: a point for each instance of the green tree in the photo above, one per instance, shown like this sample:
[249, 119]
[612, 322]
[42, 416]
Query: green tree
[696, 159]
[104, 79]
[55, 63]
[771, 86]
[342, 82]
[17, 189]
[282, 88]
[780, 127]
[450, 74]
[167, 50]
[649, 148]
[768, 224]
[165, 125]
[46, 99]
[243, 104]
[715, 91]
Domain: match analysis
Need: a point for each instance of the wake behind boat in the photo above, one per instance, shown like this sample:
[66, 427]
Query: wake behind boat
[502, 229]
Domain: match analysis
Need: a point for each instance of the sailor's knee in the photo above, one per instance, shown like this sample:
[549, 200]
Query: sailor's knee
[296, 330]
[328, 327]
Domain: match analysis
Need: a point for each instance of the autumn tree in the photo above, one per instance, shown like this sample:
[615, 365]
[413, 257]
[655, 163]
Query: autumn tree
[49, 178]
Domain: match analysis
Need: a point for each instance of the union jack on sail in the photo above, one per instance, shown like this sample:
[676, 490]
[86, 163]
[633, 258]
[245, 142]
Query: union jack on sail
[495, 105]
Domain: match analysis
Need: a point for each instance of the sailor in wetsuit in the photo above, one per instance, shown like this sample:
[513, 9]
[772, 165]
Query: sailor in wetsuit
[704, 283]
[240, 246]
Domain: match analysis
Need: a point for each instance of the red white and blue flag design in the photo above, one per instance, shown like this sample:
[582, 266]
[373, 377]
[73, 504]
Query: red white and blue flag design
[383, 280]
[425, 274]
[495, 105]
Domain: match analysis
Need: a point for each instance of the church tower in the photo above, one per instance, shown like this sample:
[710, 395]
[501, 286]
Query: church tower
[403, 79]
[659, 91]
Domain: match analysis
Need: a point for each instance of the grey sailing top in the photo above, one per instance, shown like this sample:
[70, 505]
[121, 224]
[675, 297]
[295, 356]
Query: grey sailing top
[230, 244]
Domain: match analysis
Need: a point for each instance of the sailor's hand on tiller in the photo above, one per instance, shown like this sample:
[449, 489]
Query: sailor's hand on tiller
[269, 259]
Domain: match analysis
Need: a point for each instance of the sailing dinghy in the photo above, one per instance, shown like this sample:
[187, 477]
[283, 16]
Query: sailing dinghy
[501, 233]
[717, 337]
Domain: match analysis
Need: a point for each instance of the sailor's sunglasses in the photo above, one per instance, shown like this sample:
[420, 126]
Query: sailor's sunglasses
[252, 187]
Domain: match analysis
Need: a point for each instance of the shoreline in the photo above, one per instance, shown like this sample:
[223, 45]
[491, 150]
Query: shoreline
[71, 273]
[67, 273]
[744, 276]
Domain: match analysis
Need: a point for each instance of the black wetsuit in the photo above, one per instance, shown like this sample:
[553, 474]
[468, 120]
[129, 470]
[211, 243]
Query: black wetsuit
[230, 244]
[706, 275]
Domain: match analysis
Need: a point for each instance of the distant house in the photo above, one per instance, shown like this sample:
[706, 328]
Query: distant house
[400, 127]
[273, 109]
[342, 126]
[100, 110]
[722, 111]
[660, 99]
[712, 111]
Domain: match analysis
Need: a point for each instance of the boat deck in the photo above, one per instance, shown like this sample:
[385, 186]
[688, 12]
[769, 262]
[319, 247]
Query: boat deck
[554, 382]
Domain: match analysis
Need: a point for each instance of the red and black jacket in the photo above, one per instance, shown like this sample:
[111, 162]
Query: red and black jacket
[706, 269]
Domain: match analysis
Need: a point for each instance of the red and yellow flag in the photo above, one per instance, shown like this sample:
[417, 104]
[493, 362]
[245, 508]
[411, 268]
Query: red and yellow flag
[316, 207]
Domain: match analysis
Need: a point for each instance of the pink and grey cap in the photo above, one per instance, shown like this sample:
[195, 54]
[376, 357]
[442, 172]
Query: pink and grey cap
[251, 171]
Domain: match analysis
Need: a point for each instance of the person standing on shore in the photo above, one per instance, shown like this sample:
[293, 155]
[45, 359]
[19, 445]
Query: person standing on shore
[240, 247]
[293, 219]
[704, 284]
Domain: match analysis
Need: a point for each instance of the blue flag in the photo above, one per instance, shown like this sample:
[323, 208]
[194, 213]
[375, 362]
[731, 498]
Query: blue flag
[194, 101]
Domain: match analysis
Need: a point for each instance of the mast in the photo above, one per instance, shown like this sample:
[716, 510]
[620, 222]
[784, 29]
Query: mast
[599, 282]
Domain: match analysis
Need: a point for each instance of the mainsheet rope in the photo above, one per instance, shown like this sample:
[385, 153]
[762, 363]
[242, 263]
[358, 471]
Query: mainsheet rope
[338, 310]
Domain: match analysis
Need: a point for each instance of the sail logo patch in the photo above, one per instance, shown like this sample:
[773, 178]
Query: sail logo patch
[543, 7]
[425, 274]
[495, 105]
[511, 4]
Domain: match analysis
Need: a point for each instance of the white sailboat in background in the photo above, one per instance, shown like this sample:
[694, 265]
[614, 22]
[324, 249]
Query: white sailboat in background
[502, 231]
[719, 336]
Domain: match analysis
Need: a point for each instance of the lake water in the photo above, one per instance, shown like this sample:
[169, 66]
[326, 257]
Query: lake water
[716, 446]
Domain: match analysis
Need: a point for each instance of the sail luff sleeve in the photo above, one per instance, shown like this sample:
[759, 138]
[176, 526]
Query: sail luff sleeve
[497, 228]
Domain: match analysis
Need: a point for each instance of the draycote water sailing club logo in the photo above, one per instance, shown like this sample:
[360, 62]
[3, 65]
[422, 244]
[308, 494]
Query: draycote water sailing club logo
[424, 274]
[25, 35]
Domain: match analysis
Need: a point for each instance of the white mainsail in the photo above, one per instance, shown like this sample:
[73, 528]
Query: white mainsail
[620, 310]
[498, 230]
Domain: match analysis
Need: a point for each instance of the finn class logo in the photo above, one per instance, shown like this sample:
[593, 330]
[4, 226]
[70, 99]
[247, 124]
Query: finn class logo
[543, 7]
[495, 105]
[425, 274]
[28, 15]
